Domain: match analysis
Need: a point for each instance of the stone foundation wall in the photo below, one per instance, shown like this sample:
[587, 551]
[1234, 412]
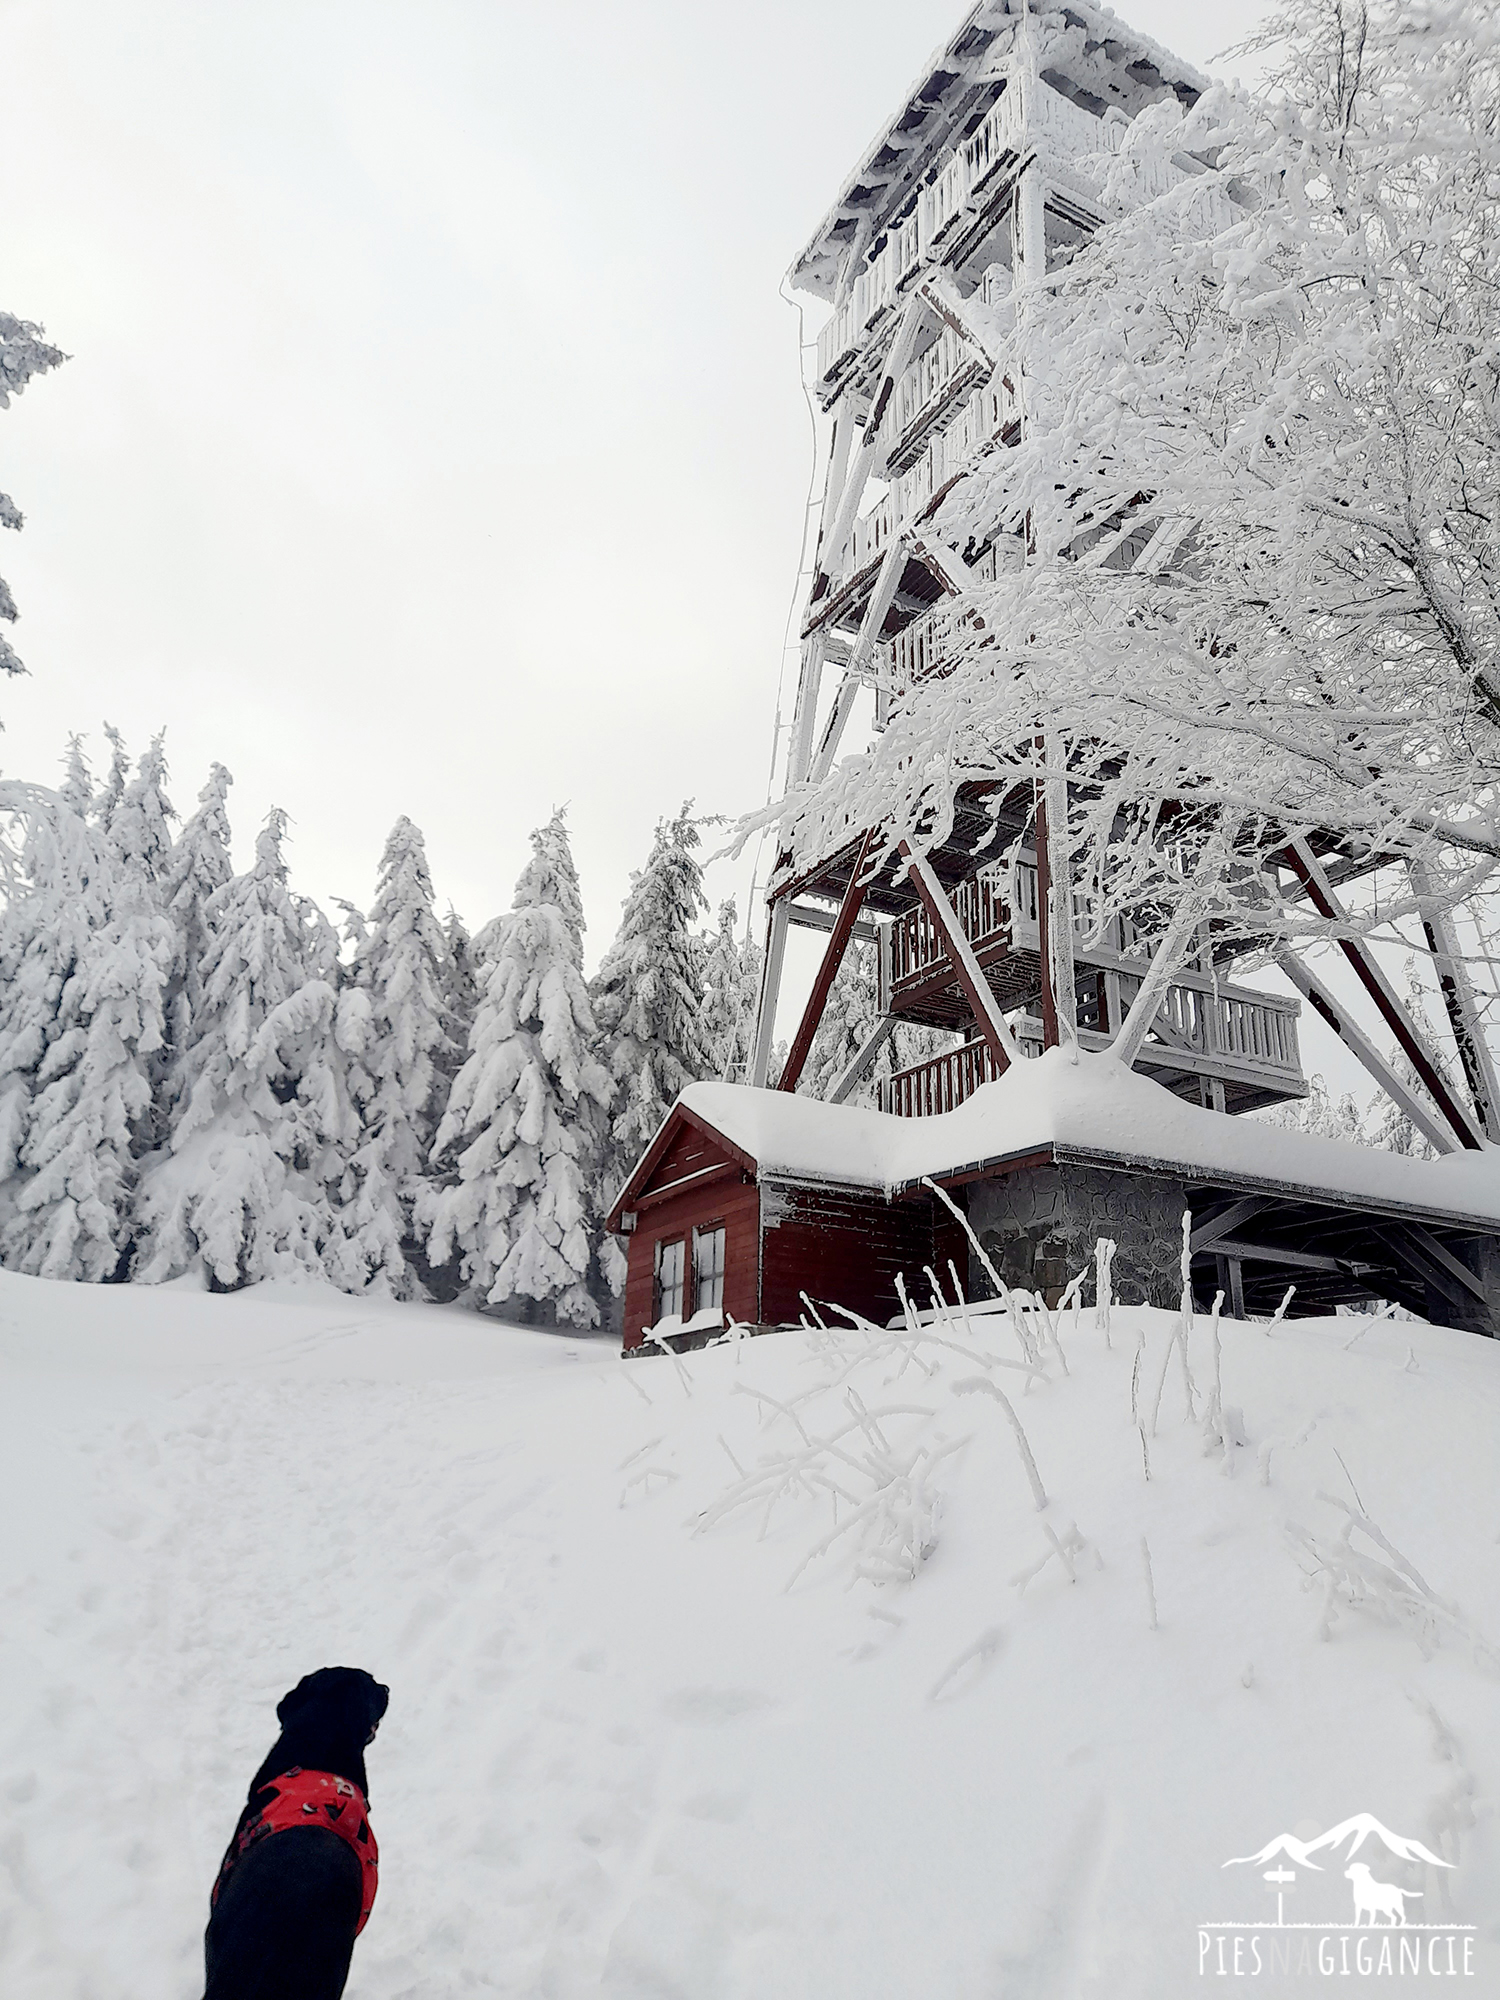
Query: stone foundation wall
[1039, 1227]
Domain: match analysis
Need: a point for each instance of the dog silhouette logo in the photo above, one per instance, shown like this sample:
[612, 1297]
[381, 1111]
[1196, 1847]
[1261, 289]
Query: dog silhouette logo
[1376, 1899]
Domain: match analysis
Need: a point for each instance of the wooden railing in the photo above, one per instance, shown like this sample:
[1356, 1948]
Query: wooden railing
[988, 413]
[948, 369]
[939, 1085]
[1071, 135]
[914, 944]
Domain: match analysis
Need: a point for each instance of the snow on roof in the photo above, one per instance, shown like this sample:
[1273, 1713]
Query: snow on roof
[1094, 1107]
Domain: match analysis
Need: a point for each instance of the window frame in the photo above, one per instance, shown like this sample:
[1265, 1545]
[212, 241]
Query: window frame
[710, 1229]
[663, 1245]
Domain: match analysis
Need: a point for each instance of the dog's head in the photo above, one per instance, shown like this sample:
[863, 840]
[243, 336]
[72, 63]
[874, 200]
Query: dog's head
[341, 1701]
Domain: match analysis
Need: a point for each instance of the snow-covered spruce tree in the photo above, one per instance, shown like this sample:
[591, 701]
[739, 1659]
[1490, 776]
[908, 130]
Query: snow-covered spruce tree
[252, 1176]
[648, 997]
[194, 872]
[139, 823]
[724, 1026]
[84, 958]
[1247, 541]
[401, 1080]
[460, 987]
[527, 1111]
[23, 353]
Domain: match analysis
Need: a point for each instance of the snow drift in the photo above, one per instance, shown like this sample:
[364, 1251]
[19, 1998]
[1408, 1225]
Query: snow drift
[830, 1663]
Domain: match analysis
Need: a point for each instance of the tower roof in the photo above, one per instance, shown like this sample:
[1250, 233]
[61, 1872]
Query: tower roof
[1082, 49]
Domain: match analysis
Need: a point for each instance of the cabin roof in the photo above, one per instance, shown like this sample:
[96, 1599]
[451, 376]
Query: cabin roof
[1093, 1110]
[1078, 34]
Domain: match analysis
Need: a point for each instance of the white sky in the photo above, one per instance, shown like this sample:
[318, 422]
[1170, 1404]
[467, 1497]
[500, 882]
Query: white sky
[433, 439]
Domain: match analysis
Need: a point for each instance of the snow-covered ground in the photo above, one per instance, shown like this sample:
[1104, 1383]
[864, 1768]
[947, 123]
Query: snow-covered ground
[623, 1756]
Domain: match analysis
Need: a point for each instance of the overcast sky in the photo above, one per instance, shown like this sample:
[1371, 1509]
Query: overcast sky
[433, 441]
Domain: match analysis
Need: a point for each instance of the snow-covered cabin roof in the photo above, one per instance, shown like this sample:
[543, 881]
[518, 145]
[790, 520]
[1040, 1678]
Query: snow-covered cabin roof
[1094, 1110]
[1084, 49]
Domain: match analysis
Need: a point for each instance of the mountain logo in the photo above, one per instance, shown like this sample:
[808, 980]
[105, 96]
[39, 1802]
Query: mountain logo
[1382, 1936]
[1370, 1895]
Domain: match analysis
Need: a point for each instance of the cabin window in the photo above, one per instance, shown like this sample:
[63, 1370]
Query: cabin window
[708, 1267]
[670, 1264]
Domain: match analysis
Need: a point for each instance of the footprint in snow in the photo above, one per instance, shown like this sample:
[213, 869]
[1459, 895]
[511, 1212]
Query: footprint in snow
[712, 1707]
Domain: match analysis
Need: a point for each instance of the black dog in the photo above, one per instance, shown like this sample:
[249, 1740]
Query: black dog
[298, 1877]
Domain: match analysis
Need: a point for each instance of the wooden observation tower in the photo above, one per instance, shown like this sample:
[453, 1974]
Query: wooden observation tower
[987, 172]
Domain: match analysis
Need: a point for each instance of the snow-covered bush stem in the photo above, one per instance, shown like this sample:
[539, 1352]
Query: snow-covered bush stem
[1150, 1582]
[982, 1386]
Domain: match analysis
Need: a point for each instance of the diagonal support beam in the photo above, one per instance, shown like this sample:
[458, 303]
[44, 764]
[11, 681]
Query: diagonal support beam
[881, 598]
[1355, 1039]
[833, 958]
[1165, 960]
[864, 1056]
[1227, 1221]
[1002, 1044]
[1414, 1248]
[1320, 894]
[864, 458]
[1443, 1258]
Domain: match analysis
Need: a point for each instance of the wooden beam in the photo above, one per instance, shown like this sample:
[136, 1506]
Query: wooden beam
[873, 1044]
[864, 459]
[1320, 894]
[805, 715]
[946, 564]
[1050, 1035]
[1354, 1038]
[1445, 1260]
[805, 917]
[1416, 1255]
[992, 1024]
[1227, 1220]
[833, 958]
[770, 991]
[1458, 997]
[1146, 1005]
[1299, 1260]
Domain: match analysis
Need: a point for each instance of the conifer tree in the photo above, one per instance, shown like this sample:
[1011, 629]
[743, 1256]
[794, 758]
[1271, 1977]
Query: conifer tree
[84, 958]
[263, 1132]
[194, 872]
[401, 1081]
[139, 822]
[723, 993]
[23, 353]
[648, 996]
[77, 788]
[527, 1109]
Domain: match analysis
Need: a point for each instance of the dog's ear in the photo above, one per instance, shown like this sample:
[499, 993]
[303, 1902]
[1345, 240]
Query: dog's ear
[380, 1701]
[305, 1691]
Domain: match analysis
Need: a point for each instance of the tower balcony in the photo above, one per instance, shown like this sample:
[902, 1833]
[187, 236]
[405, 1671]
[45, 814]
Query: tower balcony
[1213, 1040]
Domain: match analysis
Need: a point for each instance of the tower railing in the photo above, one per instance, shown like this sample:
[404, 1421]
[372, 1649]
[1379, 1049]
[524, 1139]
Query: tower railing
[1071, 135]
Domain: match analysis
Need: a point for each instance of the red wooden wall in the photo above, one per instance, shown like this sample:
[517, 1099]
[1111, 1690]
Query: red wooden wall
[842, 1246]
[729, 1196]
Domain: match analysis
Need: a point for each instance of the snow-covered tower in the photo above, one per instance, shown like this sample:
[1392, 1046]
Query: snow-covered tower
[1004, 158]
[995, 162]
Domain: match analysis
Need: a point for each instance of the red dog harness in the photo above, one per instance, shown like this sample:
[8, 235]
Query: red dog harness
[313, 1798]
